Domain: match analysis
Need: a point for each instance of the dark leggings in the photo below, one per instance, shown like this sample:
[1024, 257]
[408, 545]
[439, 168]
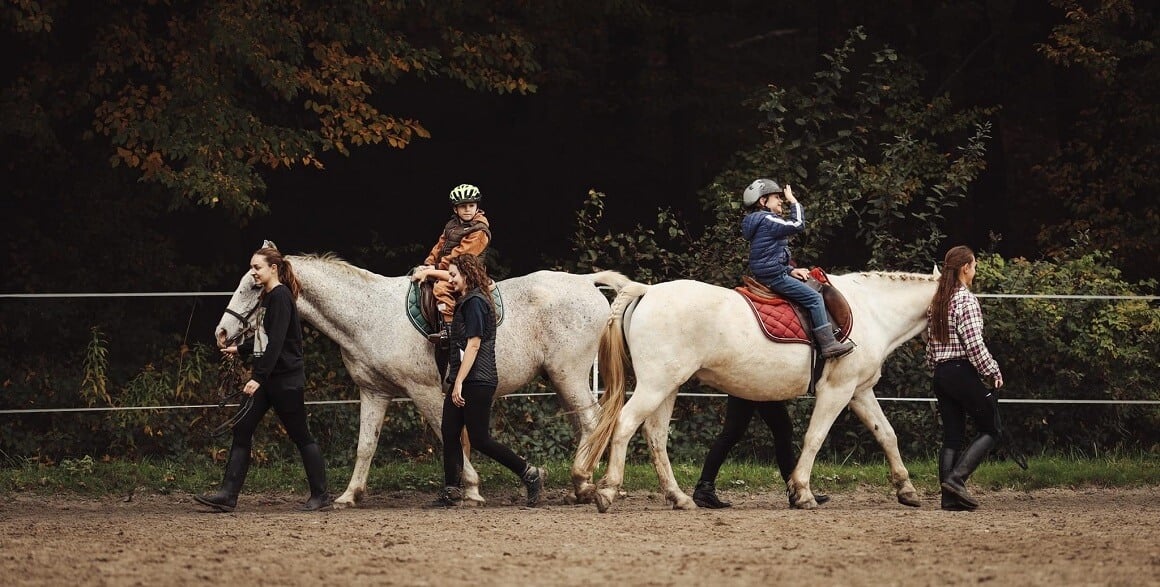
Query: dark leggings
[288, 403]
[475, 415]
[960, 394]
[738, 413]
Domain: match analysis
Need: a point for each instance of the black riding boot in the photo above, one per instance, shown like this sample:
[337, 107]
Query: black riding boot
[316, 477]
[956, 481]
[225, 499]
[442, 342]
[946, 462]
[705, 496]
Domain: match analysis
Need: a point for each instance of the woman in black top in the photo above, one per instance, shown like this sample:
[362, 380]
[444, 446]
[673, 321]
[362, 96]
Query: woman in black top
[277, 381]
[472, 363]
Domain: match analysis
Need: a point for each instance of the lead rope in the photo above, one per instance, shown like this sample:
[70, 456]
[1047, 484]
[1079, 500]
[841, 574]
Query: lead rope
[230, 376]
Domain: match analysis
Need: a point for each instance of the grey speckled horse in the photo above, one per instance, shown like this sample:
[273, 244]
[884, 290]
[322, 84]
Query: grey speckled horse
[552, 325]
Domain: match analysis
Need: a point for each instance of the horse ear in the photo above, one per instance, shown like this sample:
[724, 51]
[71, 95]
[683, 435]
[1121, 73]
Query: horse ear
[269, 244]
[937, 273]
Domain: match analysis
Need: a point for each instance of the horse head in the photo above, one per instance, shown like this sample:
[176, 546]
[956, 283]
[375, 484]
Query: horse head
[238, 318]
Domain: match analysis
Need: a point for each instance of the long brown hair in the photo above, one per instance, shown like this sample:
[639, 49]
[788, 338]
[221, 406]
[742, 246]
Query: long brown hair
[286, 273]
[948, 284]
[474, 274]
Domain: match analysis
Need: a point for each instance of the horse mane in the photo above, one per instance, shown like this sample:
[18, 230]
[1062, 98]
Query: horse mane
[898, 275]
[332, 259]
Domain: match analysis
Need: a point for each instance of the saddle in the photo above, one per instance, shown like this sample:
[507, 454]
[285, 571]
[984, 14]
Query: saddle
[423, 309]
[784, 321]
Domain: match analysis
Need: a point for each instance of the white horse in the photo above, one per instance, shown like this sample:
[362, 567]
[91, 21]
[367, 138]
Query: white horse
[552, 324]
[684, 329]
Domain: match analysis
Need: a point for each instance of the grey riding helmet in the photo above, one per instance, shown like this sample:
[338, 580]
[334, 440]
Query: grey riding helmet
[464, 193]
[760, 187]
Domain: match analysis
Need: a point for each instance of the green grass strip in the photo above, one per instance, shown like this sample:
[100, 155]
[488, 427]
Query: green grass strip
[91, 477]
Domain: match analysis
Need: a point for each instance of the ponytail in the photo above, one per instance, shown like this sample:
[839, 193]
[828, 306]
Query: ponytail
[286, 273]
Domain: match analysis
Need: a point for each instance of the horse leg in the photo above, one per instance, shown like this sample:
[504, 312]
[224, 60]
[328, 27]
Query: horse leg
[638, 407]
[869, 411]
[471, 495]
[582, 410]
[584, 421]
[372, 410]
[828, 404]
[656, 429]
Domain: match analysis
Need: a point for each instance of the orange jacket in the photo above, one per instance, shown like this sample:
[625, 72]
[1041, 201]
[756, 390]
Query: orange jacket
[460, 237]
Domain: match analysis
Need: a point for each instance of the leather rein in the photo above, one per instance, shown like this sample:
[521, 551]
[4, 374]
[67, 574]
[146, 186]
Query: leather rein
[231, 373]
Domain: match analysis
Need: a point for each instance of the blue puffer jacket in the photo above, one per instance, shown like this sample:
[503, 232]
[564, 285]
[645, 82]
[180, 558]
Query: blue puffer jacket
[768, 235]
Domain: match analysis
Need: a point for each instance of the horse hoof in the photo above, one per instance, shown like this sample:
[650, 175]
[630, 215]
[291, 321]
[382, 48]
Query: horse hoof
[585, 493]
[603, 502]
[683, 502]
[471, 497]
[343, 502]
[602, 505]
[910, 499]
[810, 504]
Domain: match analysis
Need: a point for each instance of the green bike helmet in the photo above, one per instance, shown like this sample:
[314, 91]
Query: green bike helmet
[464, 193]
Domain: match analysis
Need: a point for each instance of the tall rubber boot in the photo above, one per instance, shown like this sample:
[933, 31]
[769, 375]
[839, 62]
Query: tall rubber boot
[956, 481]
[946, 462]
[828, 345]
[225, 499]
[316, 477]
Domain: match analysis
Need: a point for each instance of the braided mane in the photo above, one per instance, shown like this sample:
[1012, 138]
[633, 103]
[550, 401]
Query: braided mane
[898, 275]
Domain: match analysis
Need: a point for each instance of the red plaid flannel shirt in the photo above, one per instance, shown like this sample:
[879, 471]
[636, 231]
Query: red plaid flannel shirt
[965, 330]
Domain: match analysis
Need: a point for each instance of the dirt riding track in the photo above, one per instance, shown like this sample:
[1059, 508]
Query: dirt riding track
[1052, 537]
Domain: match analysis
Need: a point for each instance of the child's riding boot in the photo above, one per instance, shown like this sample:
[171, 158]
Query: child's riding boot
[828, 345]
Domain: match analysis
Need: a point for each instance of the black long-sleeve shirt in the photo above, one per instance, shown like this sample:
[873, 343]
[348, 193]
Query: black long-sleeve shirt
[281, 359]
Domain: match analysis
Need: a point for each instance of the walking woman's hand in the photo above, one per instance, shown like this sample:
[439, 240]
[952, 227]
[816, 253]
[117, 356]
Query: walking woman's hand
[457, 394]
[251, 387]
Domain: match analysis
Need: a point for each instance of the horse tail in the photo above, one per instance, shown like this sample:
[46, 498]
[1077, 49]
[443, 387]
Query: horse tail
[613, 279]
[613, 358]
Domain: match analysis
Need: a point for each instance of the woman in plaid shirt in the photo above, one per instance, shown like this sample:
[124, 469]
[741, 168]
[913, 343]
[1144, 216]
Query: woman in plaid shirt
[961, 363]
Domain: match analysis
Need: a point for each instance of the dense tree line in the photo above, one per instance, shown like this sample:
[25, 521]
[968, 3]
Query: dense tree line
[135, 132]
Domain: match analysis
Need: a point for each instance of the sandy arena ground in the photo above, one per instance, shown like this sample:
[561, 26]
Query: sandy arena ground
[863, 537]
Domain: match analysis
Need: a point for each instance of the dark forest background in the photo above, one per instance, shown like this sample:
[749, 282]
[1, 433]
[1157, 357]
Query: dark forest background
[152, 145]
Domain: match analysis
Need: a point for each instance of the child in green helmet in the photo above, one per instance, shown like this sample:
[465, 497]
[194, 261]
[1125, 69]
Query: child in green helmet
[468, 232]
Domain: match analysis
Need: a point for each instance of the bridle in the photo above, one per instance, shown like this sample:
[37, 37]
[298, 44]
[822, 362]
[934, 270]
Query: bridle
[230, 372]
[244, 319]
